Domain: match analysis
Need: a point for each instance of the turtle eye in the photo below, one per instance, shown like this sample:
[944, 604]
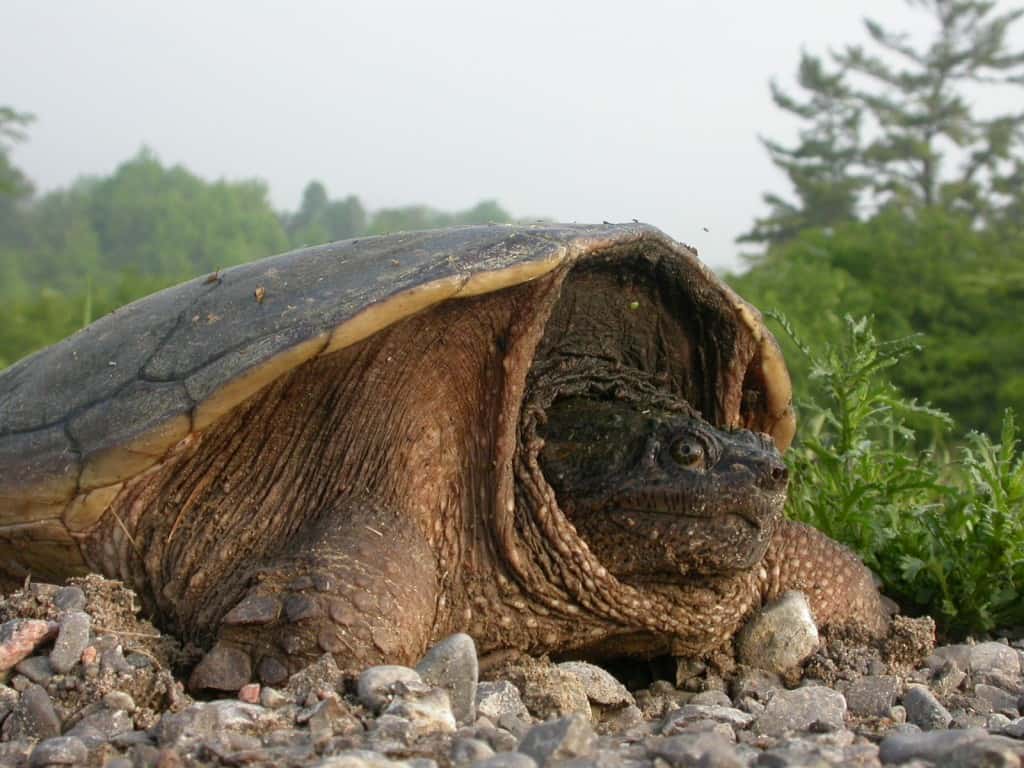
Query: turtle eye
[688, 453]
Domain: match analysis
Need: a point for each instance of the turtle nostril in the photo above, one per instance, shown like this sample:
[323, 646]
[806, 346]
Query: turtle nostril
[779, 474]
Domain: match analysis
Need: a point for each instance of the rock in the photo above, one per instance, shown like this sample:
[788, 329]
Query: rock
[981, 658]
[507, 760]
[698, 749]
[58, 750]
[452, 664]
[271, 698]
[712, 698]
[327, 718]
[924, 710]
[988, 752]
[377, 685]
[550, 692]
[34, 717]
[675, 720]
[780, 636]
[600, 686]
[102, 726]
[998, 699]
[927, 745]
[72, 639]
[113, 660]
[222, 669]
[873, 695]
[20, 637]
[559, 739]
[361, 758]
[249, 693]
[468, 750]
[202, 721]
[427, 712]
[70, 598]
[798, 709]
[493, 700]
[36, 668]
[119, 700]
[758, 684]
[317, 679]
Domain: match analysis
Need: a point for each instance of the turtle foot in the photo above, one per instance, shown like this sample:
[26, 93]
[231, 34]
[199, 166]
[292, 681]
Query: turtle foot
[347, 597]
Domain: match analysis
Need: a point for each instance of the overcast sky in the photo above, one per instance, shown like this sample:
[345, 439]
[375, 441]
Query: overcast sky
[580, 111]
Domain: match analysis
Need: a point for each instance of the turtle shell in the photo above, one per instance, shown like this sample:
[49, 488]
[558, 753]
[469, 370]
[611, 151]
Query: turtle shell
[82, 418]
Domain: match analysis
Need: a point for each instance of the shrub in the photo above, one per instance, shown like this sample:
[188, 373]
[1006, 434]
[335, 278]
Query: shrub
[945, 536]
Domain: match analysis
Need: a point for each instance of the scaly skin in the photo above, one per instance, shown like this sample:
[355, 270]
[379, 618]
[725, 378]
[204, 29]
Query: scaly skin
[641, 529]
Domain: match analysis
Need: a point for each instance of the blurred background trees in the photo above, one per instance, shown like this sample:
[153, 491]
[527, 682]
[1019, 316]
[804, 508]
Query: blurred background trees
[907, 203]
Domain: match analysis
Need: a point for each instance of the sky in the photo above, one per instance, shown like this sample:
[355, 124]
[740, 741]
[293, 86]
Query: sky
[577, 111]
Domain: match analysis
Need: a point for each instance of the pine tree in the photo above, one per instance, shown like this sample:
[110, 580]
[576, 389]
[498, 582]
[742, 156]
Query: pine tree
[896, 126]
[821, 168]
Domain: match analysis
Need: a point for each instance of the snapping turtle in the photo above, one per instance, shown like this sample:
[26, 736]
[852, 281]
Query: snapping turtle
[556, 438]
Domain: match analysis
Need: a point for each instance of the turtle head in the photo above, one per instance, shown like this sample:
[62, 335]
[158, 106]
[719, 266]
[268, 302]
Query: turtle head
[660, 494]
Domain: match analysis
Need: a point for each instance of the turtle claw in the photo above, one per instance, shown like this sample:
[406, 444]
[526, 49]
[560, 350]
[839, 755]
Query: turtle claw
[223, 668]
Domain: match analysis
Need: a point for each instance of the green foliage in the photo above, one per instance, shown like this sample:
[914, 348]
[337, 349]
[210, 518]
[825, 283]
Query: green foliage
[946, 538]
[320, 220]
[896, 126]
[934, 274]
[13, 184]
[422, 217]
[75, 254]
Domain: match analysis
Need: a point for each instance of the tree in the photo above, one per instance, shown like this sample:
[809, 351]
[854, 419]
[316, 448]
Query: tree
[822, 167]
[13, 183]
[922, 112]
[896, 125]
[321, 220]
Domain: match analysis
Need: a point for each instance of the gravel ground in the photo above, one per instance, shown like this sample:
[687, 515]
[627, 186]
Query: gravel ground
[86, 682]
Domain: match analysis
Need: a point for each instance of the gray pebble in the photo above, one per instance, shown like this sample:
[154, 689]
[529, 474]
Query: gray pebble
[780, 636]
[712, 698]
[926, 745]
[119, 700]
[676, 720]
[35, 717]
[108, 723]
[698, 749]
[59, 750]
[468, 750]
[69, 599]
[988, 752]
[376, 685]
[798, 709]
[873, 695]
[453, 665]
[36, 668]
[507, 760]
[924, 710]
[998, 699]
[139, 660]
[981, 658]
[560, 739]
[72, 639]
[601, 687]
[113, 660]
[498, 698]
[426, 712]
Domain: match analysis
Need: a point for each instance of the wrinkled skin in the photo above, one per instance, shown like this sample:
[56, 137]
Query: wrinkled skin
[659, 495]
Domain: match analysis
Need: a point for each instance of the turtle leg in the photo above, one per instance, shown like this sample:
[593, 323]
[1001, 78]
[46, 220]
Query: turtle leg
[361, 586]
[839, 587]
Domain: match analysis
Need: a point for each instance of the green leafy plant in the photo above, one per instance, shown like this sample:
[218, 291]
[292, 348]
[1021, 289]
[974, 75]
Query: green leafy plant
[945, 536]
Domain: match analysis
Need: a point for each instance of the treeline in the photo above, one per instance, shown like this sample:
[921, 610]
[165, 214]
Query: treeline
[74, 254]
[907, 204]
